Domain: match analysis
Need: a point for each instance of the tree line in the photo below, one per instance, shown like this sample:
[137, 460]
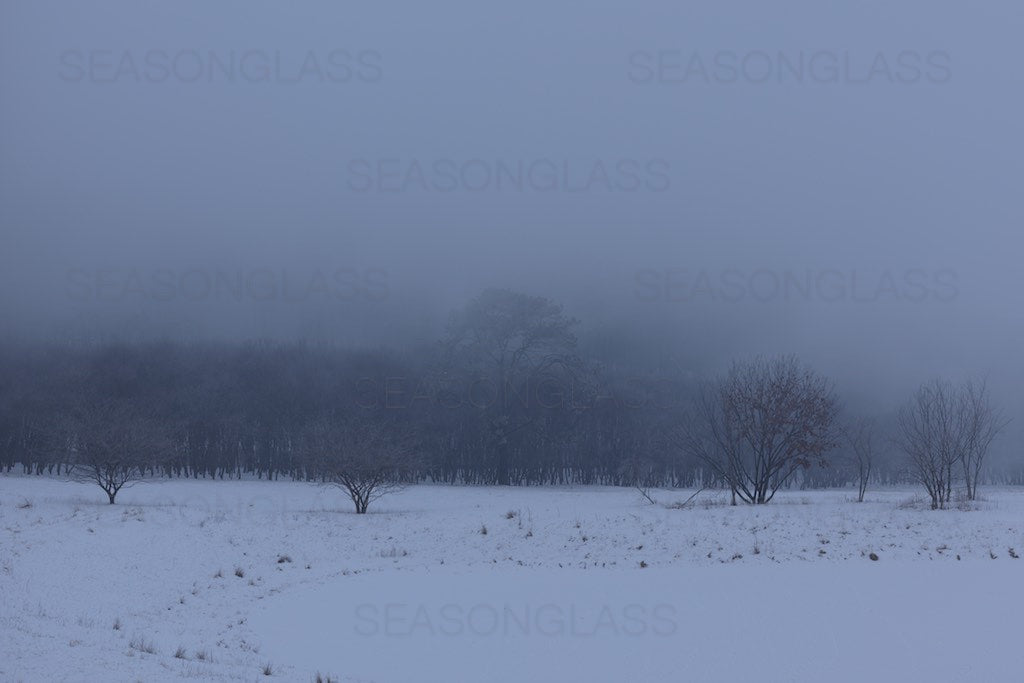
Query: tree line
[506, 397]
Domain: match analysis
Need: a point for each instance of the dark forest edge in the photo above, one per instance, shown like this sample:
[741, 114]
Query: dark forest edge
[505, 398]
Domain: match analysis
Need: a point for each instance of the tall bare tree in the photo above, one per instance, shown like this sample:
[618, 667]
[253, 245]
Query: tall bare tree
[982, 423]
[930, 433]
[764, 421]
[945, 430]
[522, 347]
[859, 436]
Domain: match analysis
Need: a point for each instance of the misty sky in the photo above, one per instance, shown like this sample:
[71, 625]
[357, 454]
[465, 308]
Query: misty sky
[661, 168]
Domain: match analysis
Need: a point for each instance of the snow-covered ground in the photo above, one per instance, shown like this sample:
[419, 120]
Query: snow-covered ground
[590, 584]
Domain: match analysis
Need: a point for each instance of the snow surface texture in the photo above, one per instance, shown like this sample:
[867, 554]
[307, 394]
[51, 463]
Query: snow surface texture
[241, 579]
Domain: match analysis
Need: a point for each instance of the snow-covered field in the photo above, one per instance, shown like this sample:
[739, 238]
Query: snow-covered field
[590, 584]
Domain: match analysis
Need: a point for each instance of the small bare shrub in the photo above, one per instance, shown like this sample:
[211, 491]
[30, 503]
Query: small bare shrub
[912, 503]
[268, 669]
[483, 529]
[281, 559]
[180, 653]
[140, 644]
[717, 501]
[239, 572]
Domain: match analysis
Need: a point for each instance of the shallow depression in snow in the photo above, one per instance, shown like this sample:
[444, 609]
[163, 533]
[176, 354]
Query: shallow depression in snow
[849, 622]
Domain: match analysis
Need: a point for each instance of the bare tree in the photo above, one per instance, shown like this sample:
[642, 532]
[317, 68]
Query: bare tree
[515, 343]
[931, 435]
[982, 423]
[859, 436]
[764, 421]
[944, 429]
[113, 444]
[365, 457]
